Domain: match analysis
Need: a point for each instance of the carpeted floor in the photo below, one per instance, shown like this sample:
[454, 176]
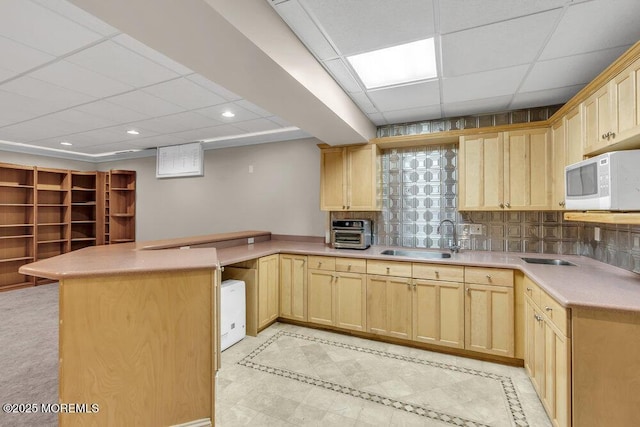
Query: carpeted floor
[29, 352]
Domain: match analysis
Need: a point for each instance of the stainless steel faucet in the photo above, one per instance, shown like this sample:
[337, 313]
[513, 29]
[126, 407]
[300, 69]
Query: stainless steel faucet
[454, 246]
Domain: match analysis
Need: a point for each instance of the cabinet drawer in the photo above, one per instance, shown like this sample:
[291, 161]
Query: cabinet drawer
[351, 265]
[489, 276]
[557, 314]
[322, 263]
[387, 268]
[532, 291]
[449, 273]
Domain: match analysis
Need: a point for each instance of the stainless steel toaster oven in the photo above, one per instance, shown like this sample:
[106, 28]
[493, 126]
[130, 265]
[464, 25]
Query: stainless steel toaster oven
[351, 233]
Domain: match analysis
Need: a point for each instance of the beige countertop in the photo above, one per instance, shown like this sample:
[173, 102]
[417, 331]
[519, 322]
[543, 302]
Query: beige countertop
[589, 283]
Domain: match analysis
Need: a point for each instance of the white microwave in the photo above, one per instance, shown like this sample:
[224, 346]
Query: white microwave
[610, 181]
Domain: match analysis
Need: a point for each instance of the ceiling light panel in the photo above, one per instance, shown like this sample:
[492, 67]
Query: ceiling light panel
[399, 64]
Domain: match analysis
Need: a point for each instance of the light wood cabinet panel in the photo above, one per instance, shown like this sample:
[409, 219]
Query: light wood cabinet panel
[268, 290]
[389, 304]
[599, 119]
[350, 178]
[574, 135]
[389, 268]
[506, 170]
[320, 297]
[293, 287]
[481, 172]
[489, 276]
[557, 362]
[489, 319]
[558, 161]
[449, 273]
[350, 301]
[351, 265]
[322, 263]
[438, 313]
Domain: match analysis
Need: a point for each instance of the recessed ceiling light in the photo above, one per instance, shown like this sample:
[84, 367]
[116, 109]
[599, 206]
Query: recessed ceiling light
[399, 64]
[228, 114]
[65, 143]
[133, 132]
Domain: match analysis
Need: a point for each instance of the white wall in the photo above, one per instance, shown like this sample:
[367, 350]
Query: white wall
[282, 195]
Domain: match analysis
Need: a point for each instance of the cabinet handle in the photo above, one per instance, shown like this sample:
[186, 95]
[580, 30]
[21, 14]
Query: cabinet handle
[501, 205]
[344, 207]
[538, 318]
[561, 203]
[349, 267]
[529, 289]
[414, 285]
[388, 269]
[488, 277]
[547, 308]
[469, 291]
[437, 273]
[348, 207]
[508, 204]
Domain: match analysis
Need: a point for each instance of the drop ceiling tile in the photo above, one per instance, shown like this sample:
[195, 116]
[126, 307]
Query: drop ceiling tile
[357, 27]
[307, 31]
[77, 15]
[82, 121]
[407, 96]
[544, 97]
[577, 69]
[184, 93]
[253, 108]
[592, 26]
[377, 119]
[78, 79]
[176, 123]
[158, 141]
[211, 132]
[121, 131]
[495, 46]
[342, 75]
[42, 29]
[413, 114]
[106, 149]
[6, 74]
[476, 106]
[213, 87]
[19, 58]
[363, 102]
[215, 112]
[116, 113]
[257, 125]
[92, 137]
[486, 84]
[33, 130]
[16, 108]
[121, 64]
[134, 45]
[461, 14]
[280, 121]
[146, 104]
[46, 93]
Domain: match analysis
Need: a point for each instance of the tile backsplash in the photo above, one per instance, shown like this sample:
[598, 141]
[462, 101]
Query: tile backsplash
[420, 190]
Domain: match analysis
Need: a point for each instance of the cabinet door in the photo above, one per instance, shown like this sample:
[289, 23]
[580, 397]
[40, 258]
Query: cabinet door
[389, 306]
[625, 94]
[293, 287]
[363, 174]
[558, 161]
[527, 169]
[489, 319]
[350, 301]
[320, 297]
[333, 180]
[377, 305]
[438, 313]
[268, 290]
[557, 393]
[530, 341]
[481, 166]
[599, 119]
[574, 136]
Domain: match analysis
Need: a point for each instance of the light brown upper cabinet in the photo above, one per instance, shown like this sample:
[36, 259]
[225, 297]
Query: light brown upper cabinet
[505, 171]
[351, 178]
[611, 113]
[567, 140]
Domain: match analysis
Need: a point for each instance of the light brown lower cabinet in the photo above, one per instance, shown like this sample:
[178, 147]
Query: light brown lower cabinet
[548, 357]
[268, 289]
[438, 313]
[293, 287]
[336, 298]
[389, 306]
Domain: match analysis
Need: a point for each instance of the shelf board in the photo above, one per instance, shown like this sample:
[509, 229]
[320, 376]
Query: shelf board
[26, 205]
[50, 188]
[52, 205]
[83, 204]
[21, 236]
[51, 224]
[83, 239]
[83, 189]
[52, 241]
[83, 222]
[122, 189]
[604, 217]
[123, 215]
[122, 240]
[22, 258]
[15, 185]
[15, 225]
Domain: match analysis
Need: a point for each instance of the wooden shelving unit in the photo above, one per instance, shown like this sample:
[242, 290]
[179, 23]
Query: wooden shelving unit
[16, 224]
[604, 217]
[122, 206]
[47, 212]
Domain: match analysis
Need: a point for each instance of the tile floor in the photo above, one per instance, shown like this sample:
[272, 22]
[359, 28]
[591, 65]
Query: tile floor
[295, 376]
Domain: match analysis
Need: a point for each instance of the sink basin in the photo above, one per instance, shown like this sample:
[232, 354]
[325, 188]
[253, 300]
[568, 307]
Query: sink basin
[547, 261]
[416, 254]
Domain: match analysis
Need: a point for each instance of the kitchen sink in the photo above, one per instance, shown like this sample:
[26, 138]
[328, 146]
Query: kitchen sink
[416, 254]
[547, 261]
